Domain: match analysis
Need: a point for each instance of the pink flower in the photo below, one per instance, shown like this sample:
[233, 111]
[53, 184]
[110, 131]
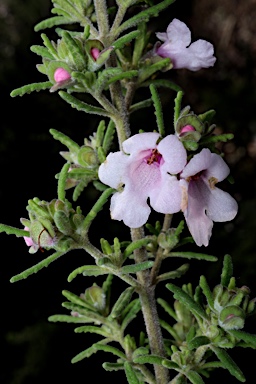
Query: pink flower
[61, 75]
[147, 172]
[95, 52]
[177, 47]
[202, 201]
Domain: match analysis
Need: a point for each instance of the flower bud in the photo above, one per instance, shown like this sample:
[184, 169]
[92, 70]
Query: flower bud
[232, 317]
[61, 75]
[96, 297]
[95, 52]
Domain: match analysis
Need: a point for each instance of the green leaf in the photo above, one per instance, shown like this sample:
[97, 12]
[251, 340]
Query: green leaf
[167, 308]
[187, 300]
[87, 270]
[162, 83]
[177, 107]
[68, 319]
[192, 255]
[62, 181]
[82, 106]
[77, 300]
[13, 231]
[130, 374]
[207, 292]
[134, 308]
[121, 302]
[92, 329]
[158, 109]
[75, 51]
[109, 136]
[31, 88]
[42, 51]
[173, 274]
[143, 16]
[122, 41]
[216, 138]
[69, 143]
[227, 270]
[148, 359]
[37, 267]
[113, 366]
[51, 22]
[197, 342]
[141, 104]
[97, 208]
[194, 377]
[147, 71]
[169, 364]
[98, 347]
[228, 363]
[93, 316]
[135, 245]
[134, 268]
[248, 338]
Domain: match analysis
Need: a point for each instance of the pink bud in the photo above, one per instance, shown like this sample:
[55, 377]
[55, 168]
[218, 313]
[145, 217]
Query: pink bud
[61, 75]
[28, 240]
[187, 128]
[95, 52]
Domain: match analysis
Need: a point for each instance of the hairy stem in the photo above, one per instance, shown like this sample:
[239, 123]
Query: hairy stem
[149, 309]
[102, 17]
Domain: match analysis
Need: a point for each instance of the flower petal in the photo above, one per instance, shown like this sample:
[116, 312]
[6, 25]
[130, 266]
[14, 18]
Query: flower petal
[178, 33]
[200, 226]
[217, 168]
[202, 55]
[174, 154]
[167, 198]
[140, 142]
[112, 171]
[198, 163]
[221, 206]
[130, 208]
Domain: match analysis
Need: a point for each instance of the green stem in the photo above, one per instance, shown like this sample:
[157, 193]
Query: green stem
[149, 309]
[118, 19]
[102, 17]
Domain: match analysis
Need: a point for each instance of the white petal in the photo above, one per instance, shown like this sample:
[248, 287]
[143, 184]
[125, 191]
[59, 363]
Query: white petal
[200, 226]
[217, 168]
[130, 208]
[198, 163]
[112, 171]
[202, 53]
[162, 36]
[221, 206]
[174, 154]
[140, 142]
[167, 198]
[178, 33]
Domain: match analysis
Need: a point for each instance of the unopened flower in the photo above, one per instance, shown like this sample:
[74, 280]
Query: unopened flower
[61, 75]
[30, 243]
[203, 203]
[95, 52]
[146, 170]
[177, 46]
[187, 128]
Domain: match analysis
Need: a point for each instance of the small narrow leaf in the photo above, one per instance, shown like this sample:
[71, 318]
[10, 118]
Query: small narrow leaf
[135, 245]
[144, 16]
[194, 377]
[122, 41]
[131, 314]
[173, 274]
[69, 143]
[227, 271]
[82, 106]
[42, 264]
[207, 292]
[193, 255]
[228, 363]
[134, 268]
[87, 270]
[97, 208]
[167, 308]
[187, 300]
[68, 319]
[130, 374]
[197, 342]
[148, 359]
[77, 300]
[109, 136]
[13, 231]
[51, 22]
[92, 329]
[177, 107]
[248, 338]
[158, 109]
[89, 351]
[122, 302]
[31, 88]
[113, 366]
[62, 181]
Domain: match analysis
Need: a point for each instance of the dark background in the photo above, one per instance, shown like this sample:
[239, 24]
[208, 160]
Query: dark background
[34, 350]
